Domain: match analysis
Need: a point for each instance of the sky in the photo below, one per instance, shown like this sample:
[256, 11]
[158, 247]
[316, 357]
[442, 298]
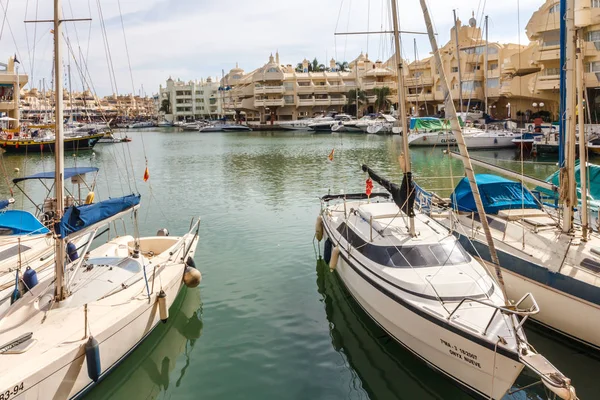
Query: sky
[193, 39]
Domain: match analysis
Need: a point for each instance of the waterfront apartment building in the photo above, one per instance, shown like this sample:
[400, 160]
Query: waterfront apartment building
[537, 72]
[282, 92]
[11, 83]
[478, 70]
[191, 100]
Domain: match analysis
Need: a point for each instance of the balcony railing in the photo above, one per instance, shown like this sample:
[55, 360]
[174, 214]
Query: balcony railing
[305, 89]
[306, 102]
[419, 81]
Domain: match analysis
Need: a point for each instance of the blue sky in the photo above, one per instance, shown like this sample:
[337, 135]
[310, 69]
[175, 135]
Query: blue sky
[190, 39]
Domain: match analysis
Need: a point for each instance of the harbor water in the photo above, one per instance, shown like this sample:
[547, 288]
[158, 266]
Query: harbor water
[269, 320]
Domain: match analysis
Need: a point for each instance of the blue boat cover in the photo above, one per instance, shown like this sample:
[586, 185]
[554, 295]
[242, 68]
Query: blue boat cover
[77, 218]
[4, 204]
[69, 172]
[20, 222]
[497, 193]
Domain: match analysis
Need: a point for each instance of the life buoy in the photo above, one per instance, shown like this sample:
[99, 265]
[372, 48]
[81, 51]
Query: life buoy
[10, 136]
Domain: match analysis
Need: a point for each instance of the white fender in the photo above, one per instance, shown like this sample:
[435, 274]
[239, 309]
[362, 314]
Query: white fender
[335, 254]
[319, 228]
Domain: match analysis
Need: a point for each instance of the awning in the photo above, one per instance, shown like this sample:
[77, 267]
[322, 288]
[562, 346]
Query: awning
[69, 172]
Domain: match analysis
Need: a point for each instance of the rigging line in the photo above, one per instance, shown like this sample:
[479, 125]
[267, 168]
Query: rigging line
[127, 169]
[37, 6]
[111, 74]
[87, 51]
[6, 14]
[368, 23]
[337, 22]
[5, 10]
[126, 48]
[26, 33]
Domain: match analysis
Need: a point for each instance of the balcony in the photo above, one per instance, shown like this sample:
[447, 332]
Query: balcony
[322, 102]
[305, 89]
[268, 89]
[547, 82]
[268, 76]
[420, 97]
[418, 81]
[590, 79]
[549, 53]
[305, 102]
[373, 85]
[341, 88]
[590, 49]
[269, 103]
[321, 89]
[339, 101]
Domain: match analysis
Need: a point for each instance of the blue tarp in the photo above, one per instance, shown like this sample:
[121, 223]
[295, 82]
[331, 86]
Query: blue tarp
[69, 172]
[4, 204]
[21, 223]
[77, 218]
[497, 194]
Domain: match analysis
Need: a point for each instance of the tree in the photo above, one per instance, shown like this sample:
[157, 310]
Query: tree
[352, 97]
[165, 106]
[381, 94]
[343, 66]
[314, 66]
[299, 67]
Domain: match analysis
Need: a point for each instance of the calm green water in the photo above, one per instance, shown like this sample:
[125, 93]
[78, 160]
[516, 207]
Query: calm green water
[268, 321]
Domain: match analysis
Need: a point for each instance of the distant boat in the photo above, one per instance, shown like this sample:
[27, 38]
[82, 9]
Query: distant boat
[142, 124]
[37, 144]
[296, 125]
[165, 124]
[225, 128]
[324, 125]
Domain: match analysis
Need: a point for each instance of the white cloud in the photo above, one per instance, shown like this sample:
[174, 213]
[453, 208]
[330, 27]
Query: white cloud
[189, 39]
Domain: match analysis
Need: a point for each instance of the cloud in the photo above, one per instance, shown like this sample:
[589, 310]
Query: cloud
[189, 39]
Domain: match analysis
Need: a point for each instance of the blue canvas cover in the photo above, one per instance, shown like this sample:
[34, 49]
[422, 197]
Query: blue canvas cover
[21, 223]
[77, 218]
[69, 172]
[497, 194]
[4, 204]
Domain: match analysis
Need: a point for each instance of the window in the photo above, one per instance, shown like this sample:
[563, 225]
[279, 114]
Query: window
[594, 66]
[420, 73]
[551, 71]
[554, 9]
[272, 70]
[454, 69]
[493, 83]
[470, 85]
[593, 36]
[492, 66]
[595, 3]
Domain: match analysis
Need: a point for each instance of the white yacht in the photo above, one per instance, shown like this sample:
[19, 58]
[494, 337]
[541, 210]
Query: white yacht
[429, 294]
[323, 125]
[296, 125]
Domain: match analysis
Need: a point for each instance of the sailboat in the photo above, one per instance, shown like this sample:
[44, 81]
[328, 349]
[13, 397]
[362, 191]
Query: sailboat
[415, 280]
[70, 331]
[556, 260]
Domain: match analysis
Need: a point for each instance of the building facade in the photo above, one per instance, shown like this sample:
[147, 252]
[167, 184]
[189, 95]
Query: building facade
[182, 101]
[11, 83]
[281, 92]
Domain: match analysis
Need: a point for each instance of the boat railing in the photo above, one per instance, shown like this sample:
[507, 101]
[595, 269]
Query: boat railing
[512, 309]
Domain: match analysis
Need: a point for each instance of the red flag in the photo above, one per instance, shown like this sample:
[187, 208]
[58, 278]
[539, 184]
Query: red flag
[369, 187]
[146, 174]
[330, 156]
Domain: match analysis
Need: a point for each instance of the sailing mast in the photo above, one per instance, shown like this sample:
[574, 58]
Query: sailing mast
[568, 111]
[485, 67]
[402, 109]
[582, 138]
[457, 131]
[460, 99]
[60, 290]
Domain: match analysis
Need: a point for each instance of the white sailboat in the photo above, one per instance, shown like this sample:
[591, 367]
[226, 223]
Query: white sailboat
[423, 288]
[550, 257]
[70, 331]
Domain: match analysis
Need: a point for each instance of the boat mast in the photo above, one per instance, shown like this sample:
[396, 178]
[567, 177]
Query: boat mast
[402, 109]
[457, 131]
[582, 138]
[485, 67]
[570, 200]
[458, 63]
[70, 95]
[60, 291]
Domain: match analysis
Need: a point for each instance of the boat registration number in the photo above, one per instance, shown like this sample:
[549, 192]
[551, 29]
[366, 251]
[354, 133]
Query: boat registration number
[448, 141]
[10, 393]
[462, 354]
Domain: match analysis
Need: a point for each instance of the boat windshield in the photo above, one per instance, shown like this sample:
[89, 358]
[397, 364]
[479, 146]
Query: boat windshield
[417, 256]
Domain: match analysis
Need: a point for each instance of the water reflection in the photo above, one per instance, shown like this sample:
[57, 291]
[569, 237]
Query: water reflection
[152, 370]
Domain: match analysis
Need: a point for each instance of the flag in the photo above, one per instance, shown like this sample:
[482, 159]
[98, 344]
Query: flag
[146, 174]
[16, 60]
[330, 156]
[369, 187]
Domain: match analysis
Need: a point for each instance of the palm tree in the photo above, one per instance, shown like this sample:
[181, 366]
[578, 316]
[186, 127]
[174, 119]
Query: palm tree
[343, 66]
[352, 97]
[382, 101]
[314, 66]
[165, 106]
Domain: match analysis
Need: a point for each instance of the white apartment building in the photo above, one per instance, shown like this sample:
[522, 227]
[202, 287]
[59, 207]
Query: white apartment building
[191, 100]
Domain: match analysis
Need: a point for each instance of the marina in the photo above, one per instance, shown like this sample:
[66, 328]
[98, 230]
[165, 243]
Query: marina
[414, 220]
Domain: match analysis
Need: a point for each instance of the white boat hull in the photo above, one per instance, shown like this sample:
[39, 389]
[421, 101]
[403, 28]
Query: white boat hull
[441, 348]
